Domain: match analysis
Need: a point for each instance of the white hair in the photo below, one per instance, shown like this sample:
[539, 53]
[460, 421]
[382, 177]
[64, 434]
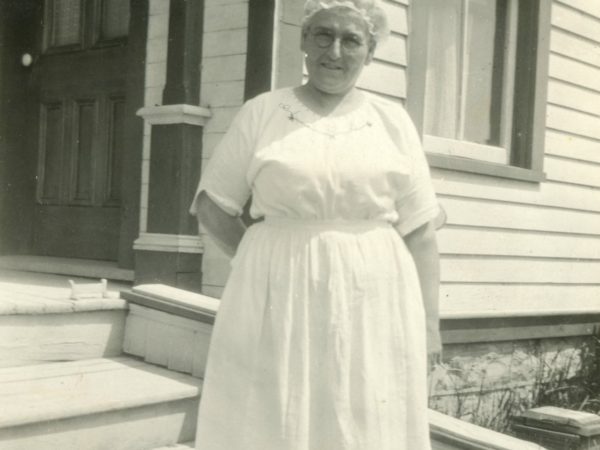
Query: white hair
[373, 15]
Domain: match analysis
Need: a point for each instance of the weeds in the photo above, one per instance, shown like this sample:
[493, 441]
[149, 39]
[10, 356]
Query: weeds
[489, 390]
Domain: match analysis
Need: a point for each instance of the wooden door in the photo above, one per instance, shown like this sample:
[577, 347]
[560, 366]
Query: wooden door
[80, 80]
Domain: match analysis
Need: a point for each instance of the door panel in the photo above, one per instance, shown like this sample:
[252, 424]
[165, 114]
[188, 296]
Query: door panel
[116, 136]
[77, 232]
[81, 87]
[52, 125]
[82, 164]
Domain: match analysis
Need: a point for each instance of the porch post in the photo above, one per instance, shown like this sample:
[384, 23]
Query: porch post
[169, 251]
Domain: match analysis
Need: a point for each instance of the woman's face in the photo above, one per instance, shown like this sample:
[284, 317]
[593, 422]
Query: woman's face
[337, 46]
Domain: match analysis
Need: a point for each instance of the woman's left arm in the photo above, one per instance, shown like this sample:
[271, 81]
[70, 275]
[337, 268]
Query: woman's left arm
[422, 244]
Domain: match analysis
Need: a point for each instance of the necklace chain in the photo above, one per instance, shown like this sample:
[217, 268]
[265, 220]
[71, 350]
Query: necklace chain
[293, 116]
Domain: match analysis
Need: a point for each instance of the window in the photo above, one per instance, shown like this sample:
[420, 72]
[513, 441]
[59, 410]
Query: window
[64, 20]
[477, 83]
[114, 19]
[77, 25]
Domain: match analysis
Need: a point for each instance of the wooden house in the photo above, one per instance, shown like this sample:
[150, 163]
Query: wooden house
[109, 108]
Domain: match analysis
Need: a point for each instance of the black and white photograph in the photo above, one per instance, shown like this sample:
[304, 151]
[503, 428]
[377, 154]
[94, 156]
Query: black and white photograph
[300, 224]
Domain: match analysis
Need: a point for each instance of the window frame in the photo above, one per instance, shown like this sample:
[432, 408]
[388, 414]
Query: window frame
[90, 29]
[48, 45]
[99, 41]
[530, 94]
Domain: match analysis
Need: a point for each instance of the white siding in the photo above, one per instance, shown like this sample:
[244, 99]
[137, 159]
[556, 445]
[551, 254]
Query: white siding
[509, 246]
[512, 246]
[386, 75]
[156, 72]
[224, 46]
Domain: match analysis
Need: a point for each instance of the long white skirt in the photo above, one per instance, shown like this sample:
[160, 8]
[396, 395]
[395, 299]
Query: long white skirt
[319, 343]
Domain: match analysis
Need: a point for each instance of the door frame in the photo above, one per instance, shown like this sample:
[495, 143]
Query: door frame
[131, 181]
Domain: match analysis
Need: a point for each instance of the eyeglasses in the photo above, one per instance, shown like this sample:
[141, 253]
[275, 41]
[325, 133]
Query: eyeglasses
[325, 39]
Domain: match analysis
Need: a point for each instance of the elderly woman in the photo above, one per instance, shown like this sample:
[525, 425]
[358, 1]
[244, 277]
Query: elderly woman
[330, 309]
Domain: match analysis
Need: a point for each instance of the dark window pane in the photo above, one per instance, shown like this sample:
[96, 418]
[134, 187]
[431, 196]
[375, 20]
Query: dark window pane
[115, 18]
[65, 17]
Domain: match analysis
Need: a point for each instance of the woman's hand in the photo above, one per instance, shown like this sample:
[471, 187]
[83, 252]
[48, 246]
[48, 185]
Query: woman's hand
[434, 344]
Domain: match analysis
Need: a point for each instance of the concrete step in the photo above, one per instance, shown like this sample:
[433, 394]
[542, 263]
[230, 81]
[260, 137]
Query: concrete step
[114, 403]
[39, 322]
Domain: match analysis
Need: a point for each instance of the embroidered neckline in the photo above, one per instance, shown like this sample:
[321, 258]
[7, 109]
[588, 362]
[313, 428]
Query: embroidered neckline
[295, 109]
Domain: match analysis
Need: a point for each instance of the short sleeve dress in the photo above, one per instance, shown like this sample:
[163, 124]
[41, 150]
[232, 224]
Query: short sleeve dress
[319, 343]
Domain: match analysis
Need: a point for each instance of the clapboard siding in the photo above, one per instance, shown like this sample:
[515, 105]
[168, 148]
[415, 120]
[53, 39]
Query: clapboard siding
[220, 119]
[393, 50]
[514, 245]
[222, 93]
[224, 48]
[219, 17]
[519, 216]
[225, 42]
[156, 74]
[574, 97]
[386, 75]
[575, 47]
[575, 72]
[384, 79]
[518, 270]
[573, 121]
[223, 68]
[564, 144]
[549, 194]
[397, 15]
[489, 242]
[458, 298]
[591, 8]
[575, 21]
[575, 172]
[224, 2]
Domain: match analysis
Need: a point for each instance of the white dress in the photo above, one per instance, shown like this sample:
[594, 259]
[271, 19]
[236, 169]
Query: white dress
[319, 342]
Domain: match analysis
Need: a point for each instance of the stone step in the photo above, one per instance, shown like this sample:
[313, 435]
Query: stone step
[40, 322]
[115, 403]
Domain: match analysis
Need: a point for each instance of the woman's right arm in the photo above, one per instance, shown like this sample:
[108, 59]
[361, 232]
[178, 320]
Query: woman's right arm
[225, 229]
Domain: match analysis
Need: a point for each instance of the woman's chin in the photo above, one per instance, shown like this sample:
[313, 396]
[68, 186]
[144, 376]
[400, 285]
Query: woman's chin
[332, 88]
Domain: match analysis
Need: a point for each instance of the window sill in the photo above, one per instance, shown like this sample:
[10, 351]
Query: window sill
[484, 168]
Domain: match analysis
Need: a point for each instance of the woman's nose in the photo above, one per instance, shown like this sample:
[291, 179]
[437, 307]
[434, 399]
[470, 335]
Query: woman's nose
[335, 49]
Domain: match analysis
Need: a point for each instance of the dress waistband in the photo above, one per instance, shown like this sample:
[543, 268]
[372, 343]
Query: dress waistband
[331, 224]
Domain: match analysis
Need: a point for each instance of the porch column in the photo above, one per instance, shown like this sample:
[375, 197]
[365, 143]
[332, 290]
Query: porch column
[170, 251]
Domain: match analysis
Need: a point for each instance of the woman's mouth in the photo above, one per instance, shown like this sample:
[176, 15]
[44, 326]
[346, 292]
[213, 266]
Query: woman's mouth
[329, 66]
